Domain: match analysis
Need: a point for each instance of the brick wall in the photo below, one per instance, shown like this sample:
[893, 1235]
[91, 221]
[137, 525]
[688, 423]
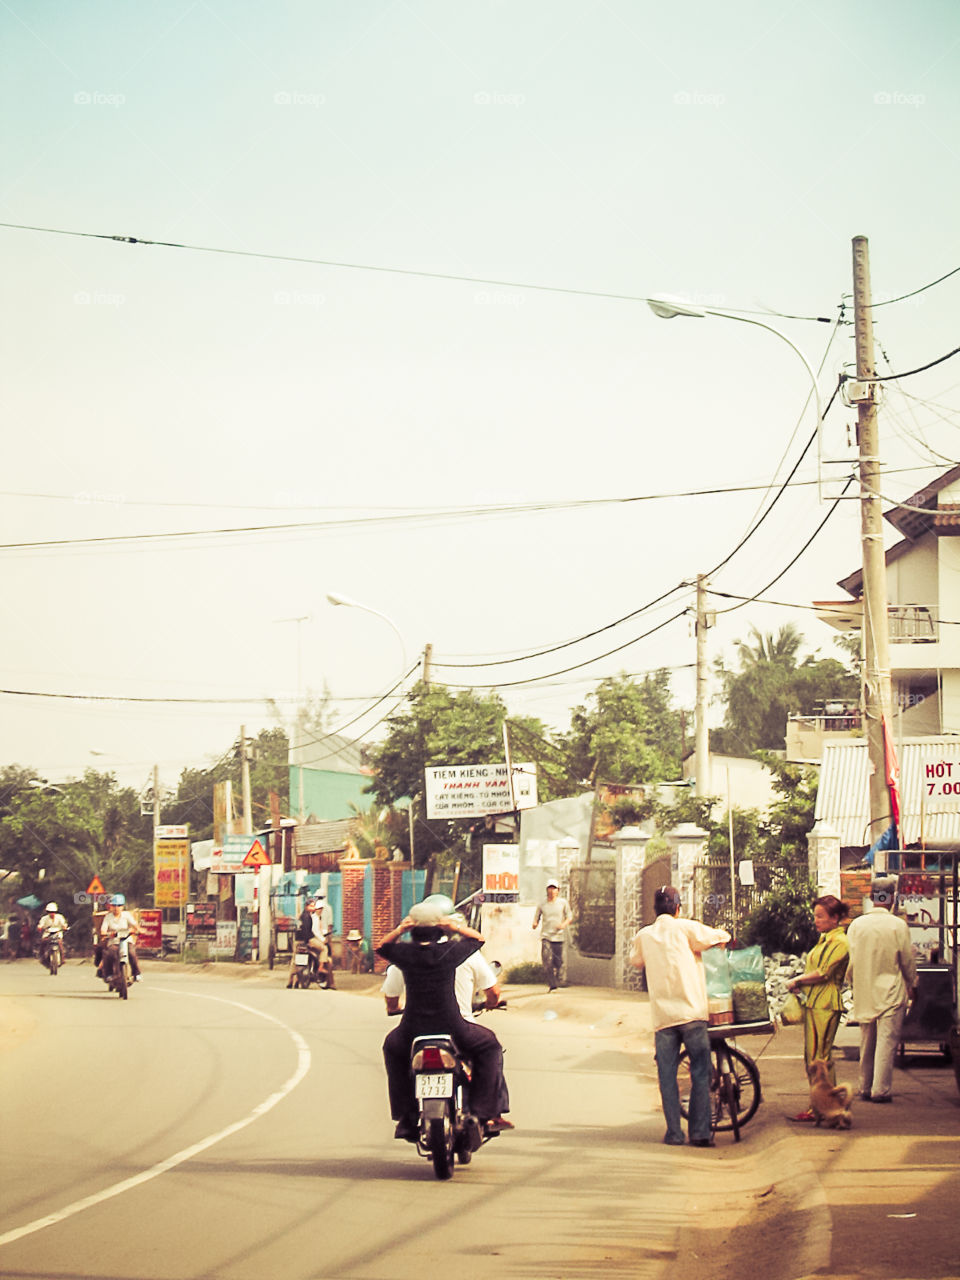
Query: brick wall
[854, 887]
[351, 883]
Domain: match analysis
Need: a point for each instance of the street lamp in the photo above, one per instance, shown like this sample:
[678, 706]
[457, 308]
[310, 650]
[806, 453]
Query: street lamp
[337, 599]
[667, 308]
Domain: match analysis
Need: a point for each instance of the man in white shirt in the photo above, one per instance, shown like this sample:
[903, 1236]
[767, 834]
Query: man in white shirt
[119, 920]
[51, 919]
[884, 974]
[670, 952]
[555, 915]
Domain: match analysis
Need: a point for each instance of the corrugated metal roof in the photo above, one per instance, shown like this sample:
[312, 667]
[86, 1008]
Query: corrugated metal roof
[929, 791]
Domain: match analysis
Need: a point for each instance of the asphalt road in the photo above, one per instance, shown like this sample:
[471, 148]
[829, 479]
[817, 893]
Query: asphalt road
[215, 1127]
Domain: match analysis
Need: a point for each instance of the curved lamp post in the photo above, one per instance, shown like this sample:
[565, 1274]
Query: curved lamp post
[667, 308]
[335, 598]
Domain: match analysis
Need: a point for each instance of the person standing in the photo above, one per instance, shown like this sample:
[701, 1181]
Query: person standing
[822, 979]
[884, 974]
[555, 915]
[670, 952]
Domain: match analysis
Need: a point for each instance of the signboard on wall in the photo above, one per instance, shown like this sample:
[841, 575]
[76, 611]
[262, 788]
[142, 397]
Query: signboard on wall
[501, 873]
[474, 790]
[171, 861]
[151, 929]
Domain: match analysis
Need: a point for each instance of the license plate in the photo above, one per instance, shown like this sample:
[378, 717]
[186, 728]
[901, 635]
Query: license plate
[435, 1086]
[301, 959]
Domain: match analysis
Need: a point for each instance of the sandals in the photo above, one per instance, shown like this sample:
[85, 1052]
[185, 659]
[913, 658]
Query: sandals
[802, 1118]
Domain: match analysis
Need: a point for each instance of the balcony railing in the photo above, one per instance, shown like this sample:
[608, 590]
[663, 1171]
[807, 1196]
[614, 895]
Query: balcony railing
[912, 624]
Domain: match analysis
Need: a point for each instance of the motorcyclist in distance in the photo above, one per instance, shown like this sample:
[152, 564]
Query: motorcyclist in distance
[439, 944]
[52, 919]
[118, 920]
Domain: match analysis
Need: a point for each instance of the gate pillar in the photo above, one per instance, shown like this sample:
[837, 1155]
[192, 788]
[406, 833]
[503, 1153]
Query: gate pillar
[631, 846]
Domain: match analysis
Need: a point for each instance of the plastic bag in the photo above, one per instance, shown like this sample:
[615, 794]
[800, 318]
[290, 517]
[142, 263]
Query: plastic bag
[746, 964]
[748, 985]
[716, 967]
[792, 1012]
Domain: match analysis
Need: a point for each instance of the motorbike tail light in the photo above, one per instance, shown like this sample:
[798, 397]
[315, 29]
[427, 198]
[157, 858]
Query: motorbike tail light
[433, 1058]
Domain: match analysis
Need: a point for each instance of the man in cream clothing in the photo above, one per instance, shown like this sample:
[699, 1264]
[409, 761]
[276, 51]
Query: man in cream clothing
[884, 973]
[669, 950]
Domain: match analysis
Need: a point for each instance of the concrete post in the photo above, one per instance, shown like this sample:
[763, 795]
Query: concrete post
[631, 846]
[688, 843]
[823, 851]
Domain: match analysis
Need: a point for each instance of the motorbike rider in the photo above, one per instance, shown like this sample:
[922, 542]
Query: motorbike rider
[309, 933]
[118, 920]
[439, 944]
[51, 920]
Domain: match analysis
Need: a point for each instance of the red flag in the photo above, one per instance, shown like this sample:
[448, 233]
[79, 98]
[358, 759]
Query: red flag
[892, 772]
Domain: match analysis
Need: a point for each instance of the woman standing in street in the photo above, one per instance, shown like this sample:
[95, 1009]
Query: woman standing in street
[822, 980]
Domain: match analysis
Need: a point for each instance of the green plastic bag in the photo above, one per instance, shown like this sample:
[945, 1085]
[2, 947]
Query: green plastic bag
[716, 968]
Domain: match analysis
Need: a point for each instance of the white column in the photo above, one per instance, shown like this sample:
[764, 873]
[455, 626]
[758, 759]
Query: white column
[631, 846]
[823, 851]
[688, 843]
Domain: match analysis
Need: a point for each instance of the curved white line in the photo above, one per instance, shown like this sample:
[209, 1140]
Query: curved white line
[171, 1162]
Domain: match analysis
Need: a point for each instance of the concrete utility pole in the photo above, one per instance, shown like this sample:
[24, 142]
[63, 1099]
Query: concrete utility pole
[877, 699]
[701, 758]
[245, 782]
[427, 659]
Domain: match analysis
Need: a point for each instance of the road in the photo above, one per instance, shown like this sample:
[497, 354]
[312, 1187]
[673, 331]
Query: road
[221, 1128]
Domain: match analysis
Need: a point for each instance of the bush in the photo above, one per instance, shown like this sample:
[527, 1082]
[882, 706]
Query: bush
[783, 921]
[527, 972]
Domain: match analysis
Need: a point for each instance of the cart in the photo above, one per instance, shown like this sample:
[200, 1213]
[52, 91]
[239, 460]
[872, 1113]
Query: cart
[932, 1014]
[735, 1091]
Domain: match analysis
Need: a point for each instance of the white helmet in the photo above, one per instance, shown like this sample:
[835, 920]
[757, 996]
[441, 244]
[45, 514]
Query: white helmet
[52, 907]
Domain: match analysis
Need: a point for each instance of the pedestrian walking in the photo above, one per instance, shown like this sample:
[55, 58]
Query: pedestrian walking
[670, 951]
[884, 975]
[555, 916]
[822, 980]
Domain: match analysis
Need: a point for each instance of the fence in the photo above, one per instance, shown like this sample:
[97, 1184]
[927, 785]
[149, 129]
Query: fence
[593, 898]
[712, 897]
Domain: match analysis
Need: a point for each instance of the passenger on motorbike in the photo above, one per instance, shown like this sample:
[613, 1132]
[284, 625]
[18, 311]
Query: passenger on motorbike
[117, 920]
[52, 920]
[309, 933]
[439, 944]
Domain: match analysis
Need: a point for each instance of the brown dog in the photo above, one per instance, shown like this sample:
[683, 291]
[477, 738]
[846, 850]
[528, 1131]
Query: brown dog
[829, 1103]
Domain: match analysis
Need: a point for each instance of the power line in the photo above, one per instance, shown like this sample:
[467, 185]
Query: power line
[887, 302]
[361, 266]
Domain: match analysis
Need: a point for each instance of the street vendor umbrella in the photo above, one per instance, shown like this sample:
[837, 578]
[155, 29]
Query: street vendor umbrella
[31, 902]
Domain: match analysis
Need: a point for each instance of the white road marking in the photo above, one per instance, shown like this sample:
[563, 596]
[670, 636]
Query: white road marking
[171, 1162]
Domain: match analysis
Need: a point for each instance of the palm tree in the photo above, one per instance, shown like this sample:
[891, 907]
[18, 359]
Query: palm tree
[780, 650]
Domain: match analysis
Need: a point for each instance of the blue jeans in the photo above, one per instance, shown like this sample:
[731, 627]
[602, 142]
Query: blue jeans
[693, 1037]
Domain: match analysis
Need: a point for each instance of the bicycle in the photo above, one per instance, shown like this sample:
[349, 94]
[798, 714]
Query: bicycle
[735, 1091]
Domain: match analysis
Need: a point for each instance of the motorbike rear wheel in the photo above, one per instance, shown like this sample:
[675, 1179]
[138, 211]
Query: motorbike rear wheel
[441, 1147]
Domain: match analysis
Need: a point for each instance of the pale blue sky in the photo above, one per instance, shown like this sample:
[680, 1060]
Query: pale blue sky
[728, 153]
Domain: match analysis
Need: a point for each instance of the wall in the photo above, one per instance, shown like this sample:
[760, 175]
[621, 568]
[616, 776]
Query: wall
[328, 795]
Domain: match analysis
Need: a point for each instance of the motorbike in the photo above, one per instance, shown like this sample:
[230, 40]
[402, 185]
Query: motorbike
[447, 1130]
[117, 973]
[51, 952]
[307, 970]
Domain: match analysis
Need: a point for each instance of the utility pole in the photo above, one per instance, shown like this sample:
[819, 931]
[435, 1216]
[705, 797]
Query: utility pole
[701, 758]
[427, 659]
[245, 783]
[876, 694]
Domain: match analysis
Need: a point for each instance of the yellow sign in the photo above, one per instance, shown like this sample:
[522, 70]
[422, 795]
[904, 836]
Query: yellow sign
[257, 857]
[170, 863]
[95, 886]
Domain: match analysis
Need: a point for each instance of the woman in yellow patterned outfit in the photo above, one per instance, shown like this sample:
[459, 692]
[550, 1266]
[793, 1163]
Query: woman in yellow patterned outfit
[822, 980]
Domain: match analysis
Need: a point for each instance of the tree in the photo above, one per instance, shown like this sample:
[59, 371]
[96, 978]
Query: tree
[269, 772]
[625, 732]
[771, 684]
[437, 727]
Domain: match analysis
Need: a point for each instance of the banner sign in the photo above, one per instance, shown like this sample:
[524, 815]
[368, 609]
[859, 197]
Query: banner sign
[501, 873]
[472, 790]
[151, 930]
[171, 860]
[201, 919]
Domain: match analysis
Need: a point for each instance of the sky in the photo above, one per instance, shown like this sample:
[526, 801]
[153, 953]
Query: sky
[407, 324]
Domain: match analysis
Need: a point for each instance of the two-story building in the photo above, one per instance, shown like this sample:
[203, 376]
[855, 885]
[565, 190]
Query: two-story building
[923, 596]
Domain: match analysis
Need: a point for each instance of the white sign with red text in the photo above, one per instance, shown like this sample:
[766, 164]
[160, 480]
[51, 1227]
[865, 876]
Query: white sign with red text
[472, 790]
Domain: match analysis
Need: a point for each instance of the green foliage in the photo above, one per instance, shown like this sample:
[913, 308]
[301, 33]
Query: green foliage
[783, 836]
[528, 971]
[783, 921]
[771, 684]
[626, 732]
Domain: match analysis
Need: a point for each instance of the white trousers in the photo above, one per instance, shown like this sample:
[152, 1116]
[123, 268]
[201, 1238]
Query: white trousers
[878, 1046]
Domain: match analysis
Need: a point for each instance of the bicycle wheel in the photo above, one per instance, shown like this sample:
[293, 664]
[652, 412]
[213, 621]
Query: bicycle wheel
[745, 1087]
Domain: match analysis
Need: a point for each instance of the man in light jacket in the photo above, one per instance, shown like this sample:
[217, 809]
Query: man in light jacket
[884, 975]
[670, 952]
